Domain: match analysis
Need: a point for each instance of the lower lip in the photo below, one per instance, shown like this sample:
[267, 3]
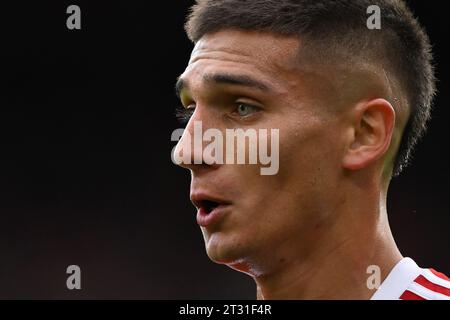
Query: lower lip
[205, 219]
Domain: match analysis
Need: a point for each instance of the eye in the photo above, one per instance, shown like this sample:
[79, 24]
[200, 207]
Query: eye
[184, 114]
[245, 110]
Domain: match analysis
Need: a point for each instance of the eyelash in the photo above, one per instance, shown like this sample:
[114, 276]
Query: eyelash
[184, 114]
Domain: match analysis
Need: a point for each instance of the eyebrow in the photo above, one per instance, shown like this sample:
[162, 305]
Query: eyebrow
[230, 79]
[180, 86]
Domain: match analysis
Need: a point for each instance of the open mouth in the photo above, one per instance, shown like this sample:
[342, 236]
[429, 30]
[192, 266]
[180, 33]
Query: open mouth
[210, 209]
[208, 205]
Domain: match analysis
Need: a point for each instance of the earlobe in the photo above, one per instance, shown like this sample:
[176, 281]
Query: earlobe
[372, 130]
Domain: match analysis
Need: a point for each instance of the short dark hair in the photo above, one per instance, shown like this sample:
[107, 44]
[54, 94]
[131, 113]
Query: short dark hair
[402, 44]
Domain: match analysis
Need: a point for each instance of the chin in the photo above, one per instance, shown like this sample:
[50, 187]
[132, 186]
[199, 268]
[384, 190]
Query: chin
[223, 249]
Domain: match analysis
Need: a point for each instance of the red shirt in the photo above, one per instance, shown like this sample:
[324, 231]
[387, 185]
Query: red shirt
[407, 281]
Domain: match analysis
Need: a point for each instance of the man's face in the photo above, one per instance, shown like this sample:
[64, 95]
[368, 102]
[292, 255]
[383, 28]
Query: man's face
[263, 215]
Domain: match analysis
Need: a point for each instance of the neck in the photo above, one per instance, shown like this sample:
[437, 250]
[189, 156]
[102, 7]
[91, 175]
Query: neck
[335, 266]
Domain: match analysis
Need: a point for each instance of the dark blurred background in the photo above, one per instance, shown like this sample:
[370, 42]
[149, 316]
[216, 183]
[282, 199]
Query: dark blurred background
[86, 176]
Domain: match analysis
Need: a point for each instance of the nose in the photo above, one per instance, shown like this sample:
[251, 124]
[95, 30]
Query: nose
[189, 151]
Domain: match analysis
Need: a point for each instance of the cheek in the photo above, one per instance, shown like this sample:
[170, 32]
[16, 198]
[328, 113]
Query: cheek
[301, 154]
[306, 159]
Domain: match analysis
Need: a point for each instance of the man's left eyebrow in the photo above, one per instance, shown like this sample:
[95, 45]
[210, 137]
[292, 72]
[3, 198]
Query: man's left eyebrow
[238, 80]
[180, 86]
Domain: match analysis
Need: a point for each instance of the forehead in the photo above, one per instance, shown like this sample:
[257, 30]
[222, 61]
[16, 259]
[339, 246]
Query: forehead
[264, 55]
[247, 45]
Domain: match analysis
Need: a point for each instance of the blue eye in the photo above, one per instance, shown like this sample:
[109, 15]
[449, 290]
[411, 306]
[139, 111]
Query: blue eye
[245, 110]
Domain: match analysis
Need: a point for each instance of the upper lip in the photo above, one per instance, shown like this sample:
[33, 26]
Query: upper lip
[199, 199]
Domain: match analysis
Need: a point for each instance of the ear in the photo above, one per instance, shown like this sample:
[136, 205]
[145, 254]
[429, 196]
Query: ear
[372, 128]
